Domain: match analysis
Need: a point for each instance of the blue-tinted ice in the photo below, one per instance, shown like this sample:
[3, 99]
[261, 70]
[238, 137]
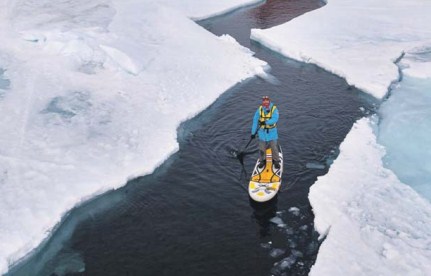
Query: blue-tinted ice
[405, 131]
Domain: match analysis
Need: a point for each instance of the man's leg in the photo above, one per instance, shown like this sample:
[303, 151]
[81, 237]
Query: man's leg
[262, 150]
[274, 148]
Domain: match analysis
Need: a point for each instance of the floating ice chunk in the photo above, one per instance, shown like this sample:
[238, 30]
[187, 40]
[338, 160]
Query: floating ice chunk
[300, 263]
[292, 243]
[289, 231]
[294, 210]
[276, 252]
[287, 262]
[297, 253]
[315, 165]
[303, 227]
[277, 220]
[266, 245]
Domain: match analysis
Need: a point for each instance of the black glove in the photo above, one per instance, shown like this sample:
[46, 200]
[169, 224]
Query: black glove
[261, 124]
[253, 136]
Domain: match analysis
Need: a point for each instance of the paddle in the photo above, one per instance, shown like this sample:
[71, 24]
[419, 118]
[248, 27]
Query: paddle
[240, 154]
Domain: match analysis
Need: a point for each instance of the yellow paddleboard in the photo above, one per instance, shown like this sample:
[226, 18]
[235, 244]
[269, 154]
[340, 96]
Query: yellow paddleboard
[265, 183]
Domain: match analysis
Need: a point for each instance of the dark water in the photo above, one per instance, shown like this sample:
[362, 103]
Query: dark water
[192, 216]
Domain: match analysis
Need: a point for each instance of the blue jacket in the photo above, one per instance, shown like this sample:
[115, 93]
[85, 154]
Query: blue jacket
[266, 134]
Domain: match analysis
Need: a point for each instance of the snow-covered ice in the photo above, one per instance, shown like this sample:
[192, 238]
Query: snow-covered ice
[359, 41]
[376, 224]
[91, 95]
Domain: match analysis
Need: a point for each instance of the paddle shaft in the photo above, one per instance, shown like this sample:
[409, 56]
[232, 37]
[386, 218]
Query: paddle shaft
[250, 139]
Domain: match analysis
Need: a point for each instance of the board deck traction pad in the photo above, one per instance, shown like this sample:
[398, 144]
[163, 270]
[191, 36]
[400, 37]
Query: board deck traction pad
[265, 183]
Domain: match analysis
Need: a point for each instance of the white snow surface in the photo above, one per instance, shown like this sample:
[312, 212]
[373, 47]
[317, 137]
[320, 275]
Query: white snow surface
[91, 95]
[376, 225]
[358, 40]
[417, 63]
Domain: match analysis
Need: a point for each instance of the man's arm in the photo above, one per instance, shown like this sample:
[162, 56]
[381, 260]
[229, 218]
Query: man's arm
[255, 122]
[274, 118]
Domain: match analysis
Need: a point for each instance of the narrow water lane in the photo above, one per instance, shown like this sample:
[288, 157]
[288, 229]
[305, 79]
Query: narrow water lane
[192, 216]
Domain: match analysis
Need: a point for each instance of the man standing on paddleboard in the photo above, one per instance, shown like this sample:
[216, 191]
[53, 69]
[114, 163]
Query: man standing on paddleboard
[265, 125]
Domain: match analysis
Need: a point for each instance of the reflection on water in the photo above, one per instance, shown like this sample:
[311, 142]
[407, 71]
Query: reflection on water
[272, 13]
[262, 213]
